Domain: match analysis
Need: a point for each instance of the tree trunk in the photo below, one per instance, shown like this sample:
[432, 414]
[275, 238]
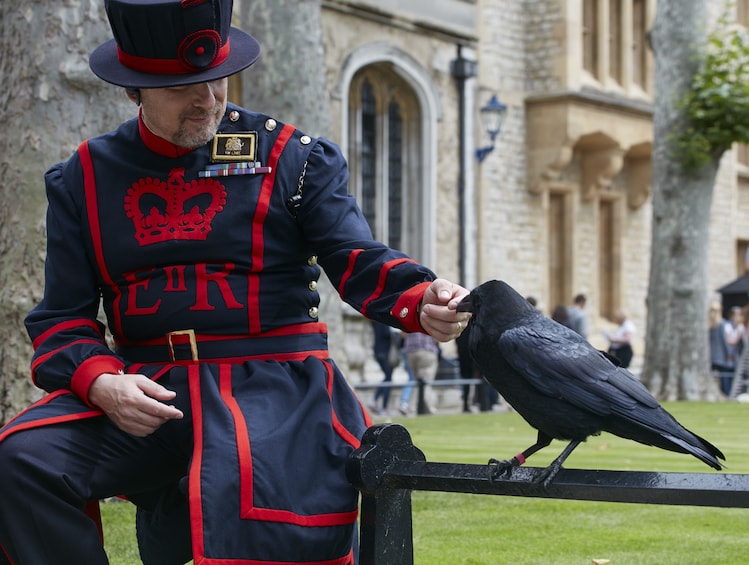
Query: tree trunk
[289, 83]
[676, 359]
[50, 101]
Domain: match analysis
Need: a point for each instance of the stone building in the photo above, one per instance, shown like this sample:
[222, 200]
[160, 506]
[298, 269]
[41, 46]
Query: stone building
[562, 204]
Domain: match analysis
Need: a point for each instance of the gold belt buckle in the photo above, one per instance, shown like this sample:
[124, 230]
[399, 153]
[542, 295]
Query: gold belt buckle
[191, 338]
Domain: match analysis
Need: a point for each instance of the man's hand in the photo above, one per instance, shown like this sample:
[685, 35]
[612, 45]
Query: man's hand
[133, 402]
[438, 315]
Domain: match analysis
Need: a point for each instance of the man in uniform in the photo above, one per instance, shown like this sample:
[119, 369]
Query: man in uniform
[201, 227]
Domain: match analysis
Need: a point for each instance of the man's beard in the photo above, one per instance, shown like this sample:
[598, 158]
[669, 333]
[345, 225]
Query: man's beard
[196, 136]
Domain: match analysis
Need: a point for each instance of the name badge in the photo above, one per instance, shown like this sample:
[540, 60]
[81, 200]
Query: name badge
[235, 147]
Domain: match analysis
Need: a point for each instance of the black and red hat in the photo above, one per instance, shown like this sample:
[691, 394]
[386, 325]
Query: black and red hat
[160, 43]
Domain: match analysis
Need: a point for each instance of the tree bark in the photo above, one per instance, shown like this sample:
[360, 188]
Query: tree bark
[676, 365]
[50, 101]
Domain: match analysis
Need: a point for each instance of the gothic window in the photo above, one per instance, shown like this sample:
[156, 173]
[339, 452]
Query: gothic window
[590, 36]
[384, 149]
[639, 43]
[614, 42]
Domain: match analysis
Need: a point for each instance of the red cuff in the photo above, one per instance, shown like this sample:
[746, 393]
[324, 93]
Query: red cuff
[406, 309]
[89, 370]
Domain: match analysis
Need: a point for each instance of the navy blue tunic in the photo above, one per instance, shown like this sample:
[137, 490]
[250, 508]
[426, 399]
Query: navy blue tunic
[208, 285]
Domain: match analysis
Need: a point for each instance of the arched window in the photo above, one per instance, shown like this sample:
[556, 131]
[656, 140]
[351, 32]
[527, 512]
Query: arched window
[385, 155]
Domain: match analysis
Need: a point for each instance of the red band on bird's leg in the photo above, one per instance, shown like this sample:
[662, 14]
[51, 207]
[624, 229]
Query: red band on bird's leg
[519, 458]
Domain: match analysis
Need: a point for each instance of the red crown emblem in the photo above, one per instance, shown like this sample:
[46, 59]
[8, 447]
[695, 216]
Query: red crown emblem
[175, 209]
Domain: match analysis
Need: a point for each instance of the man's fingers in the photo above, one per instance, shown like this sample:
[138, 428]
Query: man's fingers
[155, 390]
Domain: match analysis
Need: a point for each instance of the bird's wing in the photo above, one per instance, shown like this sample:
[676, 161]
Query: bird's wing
[561, 364]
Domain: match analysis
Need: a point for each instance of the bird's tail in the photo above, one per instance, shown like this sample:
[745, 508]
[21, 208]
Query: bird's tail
[703, 450]
[669, 434]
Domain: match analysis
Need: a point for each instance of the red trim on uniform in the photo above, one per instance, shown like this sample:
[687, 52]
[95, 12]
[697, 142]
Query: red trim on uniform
[43, 358]
[248, 510]
[291, 329]
[136, 367]
[195, 484]
[168, 66]
[298, 329]
[408, 303]
[245, 465]
[386, 268]
[280, 357]
[346, 560]
[288, 517]
[89, 185]
[5, 553]
[350, 269]
[66, 325]
[50, 421]
[258, 241]
[158, 144]
[340, 429]
[88, 371]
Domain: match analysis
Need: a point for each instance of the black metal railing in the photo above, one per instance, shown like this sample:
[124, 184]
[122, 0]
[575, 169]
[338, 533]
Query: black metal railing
[421, 384]
[388, 467]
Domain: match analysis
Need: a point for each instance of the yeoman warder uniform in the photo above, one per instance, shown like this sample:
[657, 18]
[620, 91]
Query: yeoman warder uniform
[206, 262]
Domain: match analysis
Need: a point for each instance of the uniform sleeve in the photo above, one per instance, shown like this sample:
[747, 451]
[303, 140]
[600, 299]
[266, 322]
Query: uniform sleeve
[382, 283]
[70, 350]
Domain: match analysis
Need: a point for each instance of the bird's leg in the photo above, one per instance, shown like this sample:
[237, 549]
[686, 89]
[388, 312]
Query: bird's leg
[548, 474]
[504, 468]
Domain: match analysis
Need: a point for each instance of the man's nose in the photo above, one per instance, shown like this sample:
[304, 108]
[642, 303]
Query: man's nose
[203, 95]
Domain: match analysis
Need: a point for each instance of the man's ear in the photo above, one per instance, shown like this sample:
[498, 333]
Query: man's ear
[133, 94]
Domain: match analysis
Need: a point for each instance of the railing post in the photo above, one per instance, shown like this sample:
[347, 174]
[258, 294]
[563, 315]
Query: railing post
[386, 527]
[421, 407]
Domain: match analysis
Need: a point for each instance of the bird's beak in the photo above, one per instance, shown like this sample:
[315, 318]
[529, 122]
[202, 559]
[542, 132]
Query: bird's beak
[465, 305]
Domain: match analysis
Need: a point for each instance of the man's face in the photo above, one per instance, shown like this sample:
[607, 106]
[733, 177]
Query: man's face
[188, 116]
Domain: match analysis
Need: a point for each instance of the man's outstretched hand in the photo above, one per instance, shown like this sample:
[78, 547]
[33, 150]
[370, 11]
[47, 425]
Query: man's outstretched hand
[438, 314]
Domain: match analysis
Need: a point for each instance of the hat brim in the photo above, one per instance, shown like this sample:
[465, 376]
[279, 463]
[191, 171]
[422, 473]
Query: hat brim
[245, 50]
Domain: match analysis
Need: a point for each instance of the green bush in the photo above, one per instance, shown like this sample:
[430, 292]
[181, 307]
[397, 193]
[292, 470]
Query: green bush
[716, 106]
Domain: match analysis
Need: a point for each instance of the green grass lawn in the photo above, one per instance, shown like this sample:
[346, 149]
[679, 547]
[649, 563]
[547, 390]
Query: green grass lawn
[463, 529]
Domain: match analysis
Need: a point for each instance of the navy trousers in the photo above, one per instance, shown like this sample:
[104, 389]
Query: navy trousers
[50, 472]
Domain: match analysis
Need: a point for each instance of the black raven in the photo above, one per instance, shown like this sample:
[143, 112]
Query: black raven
[561, 385]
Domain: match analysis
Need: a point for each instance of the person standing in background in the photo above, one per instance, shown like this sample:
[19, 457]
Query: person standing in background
[722, 361]
[735, 333]
[383, 337]
[620, 340]
[422, 352]
[577, 319]
[561, 316]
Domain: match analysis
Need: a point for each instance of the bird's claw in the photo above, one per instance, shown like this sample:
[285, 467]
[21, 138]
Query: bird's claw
[501, 469]
[546, 477]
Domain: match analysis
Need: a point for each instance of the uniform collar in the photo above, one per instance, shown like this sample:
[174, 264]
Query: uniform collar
[159, 144]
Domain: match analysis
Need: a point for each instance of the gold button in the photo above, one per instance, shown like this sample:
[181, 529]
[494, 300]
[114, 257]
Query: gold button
[271, 124]
[312, 260]
[312, 285]
[312, 312]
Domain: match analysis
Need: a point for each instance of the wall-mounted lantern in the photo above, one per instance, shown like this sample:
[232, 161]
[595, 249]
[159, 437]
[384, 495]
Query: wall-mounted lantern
[492, 118]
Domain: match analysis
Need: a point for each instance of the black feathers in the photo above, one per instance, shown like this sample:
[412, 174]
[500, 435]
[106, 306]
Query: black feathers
[561, 384]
